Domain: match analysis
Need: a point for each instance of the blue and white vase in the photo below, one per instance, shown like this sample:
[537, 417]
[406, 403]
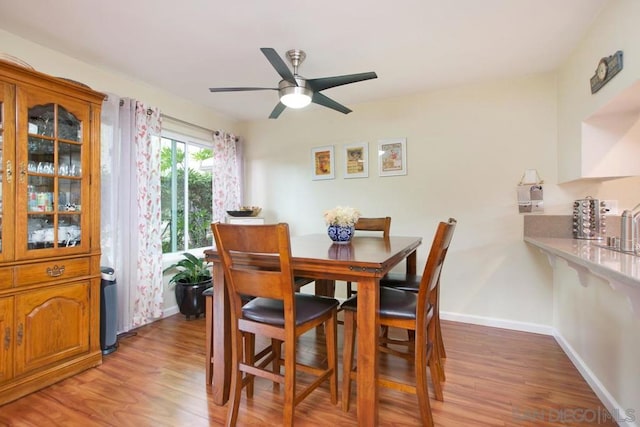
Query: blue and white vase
[340, 234]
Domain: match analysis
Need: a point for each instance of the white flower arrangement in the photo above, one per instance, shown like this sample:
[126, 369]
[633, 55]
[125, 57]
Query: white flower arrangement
[342, 216]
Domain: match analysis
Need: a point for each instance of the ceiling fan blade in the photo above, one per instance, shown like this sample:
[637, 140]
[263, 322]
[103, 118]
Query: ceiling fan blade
[279, 64]
[239, 89]
[277, 110]
[325, 101]
[328, 82]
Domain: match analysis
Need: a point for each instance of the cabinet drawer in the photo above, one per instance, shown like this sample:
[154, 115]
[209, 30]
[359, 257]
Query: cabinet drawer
[6, 277]
[52, 270]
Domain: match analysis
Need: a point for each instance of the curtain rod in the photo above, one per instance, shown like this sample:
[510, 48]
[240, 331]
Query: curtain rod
[213, 132]
[175, 119]
[166, 116]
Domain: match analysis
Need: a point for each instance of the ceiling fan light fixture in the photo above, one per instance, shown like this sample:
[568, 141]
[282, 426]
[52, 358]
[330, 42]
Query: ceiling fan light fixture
[295, 91]
[295, 96]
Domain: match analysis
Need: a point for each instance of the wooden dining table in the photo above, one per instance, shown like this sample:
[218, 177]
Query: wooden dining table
[365, 260]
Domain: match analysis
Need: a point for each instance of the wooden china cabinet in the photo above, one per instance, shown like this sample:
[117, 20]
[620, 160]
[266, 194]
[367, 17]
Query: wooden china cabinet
[49, 230]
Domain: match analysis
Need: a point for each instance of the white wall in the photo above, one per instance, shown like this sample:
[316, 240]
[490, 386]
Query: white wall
[616, 28]
[595, 324]
[103, 80]
[467, 149]
[601, 333]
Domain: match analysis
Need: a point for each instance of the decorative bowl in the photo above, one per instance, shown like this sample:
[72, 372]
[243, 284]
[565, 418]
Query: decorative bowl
[240, 213]
[246, 211]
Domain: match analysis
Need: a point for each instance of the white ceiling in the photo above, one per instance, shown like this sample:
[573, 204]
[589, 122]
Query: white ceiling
[187, 46]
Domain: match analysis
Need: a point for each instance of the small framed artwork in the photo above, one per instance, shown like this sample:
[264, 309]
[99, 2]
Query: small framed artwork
[356, 160]
[323, 163]
[392, 157]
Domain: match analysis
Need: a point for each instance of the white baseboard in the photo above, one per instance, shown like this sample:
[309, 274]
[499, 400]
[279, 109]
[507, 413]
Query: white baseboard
[170, 311]
[609, 402]
[498, 323]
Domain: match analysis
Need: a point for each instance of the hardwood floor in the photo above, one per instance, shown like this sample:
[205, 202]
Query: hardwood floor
[495, 377]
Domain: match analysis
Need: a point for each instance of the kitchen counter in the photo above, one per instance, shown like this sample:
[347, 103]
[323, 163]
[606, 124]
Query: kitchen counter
[596, 306]
[621, 270]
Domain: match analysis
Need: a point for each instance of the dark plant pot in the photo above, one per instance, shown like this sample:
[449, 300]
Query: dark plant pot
[190, 299]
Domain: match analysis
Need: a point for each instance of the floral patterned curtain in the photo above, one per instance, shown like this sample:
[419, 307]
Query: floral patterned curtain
[148, 297]
[227, 166]
[130, 208]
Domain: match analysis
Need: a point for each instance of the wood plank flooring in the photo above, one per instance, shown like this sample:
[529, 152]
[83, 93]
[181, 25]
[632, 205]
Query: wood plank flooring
[495, 377]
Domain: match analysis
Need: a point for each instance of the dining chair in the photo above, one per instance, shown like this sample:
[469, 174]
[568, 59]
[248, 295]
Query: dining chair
[276, 312]
[371, 224]
[208, 313]
[411, 282]
[411, 311]
[299, 282]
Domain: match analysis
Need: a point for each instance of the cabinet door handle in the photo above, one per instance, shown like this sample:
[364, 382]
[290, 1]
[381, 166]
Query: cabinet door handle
[23, 172]
[55, 271]
[7, 338]
[20, 333]
[9, 172]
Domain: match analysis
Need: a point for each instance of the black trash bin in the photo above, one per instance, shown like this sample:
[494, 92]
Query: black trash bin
[108, 311]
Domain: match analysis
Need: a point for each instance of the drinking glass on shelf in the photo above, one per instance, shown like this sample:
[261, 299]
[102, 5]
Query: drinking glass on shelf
[75, 170]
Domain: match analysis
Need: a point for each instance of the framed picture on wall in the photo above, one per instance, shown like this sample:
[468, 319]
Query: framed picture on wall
[356, 160]
[323, 162]
[392, 157]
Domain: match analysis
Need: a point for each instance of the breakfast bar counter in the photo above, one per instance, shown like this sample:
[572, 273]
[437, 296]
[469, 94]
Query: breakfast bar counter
[596, 308]
[621, 270]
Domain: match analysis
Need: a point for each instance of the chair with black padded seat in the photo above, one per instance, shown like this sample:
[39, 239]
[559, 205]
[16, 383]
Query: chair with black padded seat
[208, 312]
[411, 311]
[276, 311]
[382, 224]
[411, 282]
[301, 281]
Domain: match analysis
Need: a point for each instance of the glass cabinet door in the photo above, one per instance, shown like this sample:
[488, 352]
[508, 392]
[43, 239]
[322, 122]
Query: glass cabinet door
[52, 151]
[7, 170]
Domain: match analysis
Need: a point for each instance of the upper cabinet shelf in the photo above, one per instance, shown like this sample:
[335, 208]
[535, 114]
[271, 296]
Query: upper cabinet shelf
[611, 138]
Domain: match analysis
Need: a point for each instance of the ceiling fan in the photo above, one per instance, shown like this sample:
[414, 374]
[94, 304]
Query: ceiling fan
[294, 90]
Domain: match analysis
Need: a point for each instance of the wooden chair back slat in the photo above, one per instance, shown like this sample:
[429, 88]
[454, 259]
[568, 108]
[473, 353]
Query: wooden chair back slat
[239, 243]
[257, 263]
[375, 224]
[427, 295]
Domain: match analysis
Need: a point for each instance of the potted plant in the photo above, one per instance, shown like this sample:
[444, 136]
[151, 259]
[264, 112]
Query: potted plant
[193, 277]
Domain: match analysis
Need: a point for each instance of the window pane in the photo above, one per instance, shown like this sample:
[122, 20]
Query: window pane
[186, 197]
[200, 197]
